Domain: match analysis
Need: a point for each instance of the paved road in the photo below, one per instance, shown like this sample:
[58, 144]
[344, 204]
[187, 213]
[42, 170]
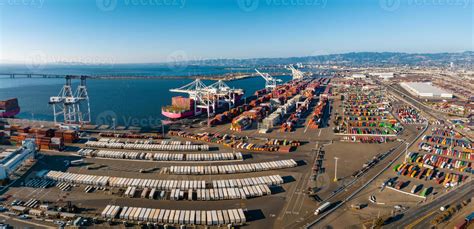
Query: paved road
[420, 217]
[350, 189]
[350, 192]
[17, 223]
[432, 112]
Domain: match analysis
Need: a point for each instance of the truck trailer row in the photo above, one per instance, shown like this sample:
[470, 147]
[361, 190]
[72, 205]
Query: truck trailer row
[178, 217]
[153, 156]
[155, 147]
[200, 194]
[144, 141]
[122, 182]
[226, 169]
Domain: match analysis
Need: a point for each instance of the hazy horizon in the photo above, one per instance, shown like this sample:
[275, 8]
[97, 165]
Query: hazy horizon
[210, 59]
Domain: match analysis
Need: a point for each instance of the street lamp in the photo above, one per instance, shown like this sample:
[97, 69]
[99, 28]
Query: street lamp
[335, 170]
[406, 151]
[162, 129]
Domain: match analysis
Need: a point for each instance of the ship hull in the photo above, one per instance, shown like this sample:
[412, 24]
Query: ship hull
[179, 115]
[9, 113]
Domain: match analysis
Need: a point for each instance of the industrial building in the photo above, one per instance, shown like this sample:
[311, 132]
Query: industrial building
[426, 90]
[358, 76]
[10, 160]
[382, 75]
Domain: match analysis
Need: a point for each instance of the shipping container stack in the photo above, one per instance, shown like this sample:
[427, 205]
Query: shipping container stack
[410, 115]
[180, 104]
[281, 92]
[238, 142]
[129, 135]
[366, 111]
[3, 140]
[241, 123]
[447, 149]
[317, 115]
[17, 134]
[292, 121]
[45, 138]
[70, 136]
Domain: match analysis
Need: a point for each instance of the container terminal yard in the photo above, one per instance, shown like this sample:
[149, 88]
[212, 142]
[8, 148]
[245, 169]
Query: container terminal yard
[355, 149]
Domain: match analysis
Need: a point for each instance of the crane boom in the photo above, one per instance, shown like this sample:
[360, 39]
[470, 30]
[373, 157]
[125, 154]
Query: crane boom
[270, 82]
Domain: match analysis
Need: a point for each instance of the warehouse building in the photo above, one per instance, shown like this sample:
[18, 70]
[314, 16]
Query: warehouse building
[358, 76]
[382, 75]
[426, 90]
[10, 160]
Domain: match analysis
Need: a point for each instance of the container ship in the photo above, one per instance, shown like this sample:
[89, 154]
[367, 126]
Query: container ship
[180, 107]
[202, 99]
[9, 108]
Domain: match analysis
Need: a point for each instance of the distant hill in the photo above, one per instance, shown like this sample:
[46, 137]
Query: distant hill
[355, 59]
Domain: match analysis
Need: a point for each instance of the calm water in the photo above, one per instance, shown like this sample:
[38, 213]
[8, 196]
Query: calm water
[123, 69]
[136, 102]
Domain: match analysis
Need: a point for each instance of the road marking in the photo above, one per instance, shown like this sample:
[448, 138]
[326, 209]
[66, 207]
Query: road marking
[25, 222]
[419, 220]
[306, 128]
[319, 132]
[45, 194]
[291, 196]
[295, 204]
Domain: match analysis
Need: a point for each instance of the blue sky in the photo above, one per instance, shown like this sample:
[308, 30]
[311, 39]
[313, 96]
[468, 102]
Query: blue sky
[139, 31]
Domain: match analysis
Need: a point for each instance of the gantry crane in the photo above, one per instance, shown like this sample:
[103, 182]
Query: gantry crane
[73, 107]
[270, 82]
[210, 97]
[224, 93]
[297, 74]
[199, 92]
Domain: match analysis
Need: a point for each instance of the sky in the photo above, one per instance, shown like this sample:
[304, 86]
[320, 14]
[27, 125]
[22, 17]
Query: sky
[151, 31]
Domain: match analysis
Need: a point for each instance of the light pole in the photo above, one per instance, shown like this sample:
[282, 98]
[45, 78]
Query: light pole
[406, 151]
[335, 170]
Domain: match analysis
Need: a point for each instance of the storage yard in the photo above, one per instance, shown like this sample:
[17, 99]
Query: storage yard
[293, 154]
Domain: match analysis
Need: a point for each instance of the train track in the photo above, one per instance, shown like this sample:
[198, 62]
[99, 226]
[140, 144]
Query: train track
[343, 192]
[424, 208]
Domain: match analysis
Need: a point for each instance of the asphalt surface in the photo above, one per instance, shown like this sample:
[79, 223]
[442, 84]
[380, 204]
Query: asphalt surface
[415, 218]
[347, 193]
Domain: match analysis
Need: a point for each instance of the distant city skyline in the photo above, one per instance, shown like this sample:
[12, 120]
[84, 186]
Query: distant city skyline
[156, 31]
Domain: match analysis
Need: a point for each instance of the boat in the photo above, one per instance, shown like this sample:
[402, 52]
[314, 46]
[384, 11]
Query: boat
[9, 108]
[180, 107]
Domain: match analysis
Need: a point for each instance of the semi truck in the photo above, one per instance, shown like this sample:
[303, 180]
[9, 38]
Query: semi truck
[322, 208]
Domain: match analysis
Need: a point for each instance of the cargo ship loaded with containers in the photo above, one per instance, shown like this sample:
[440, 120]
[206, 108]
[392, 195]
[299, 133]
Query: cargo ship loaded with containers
[202, 99]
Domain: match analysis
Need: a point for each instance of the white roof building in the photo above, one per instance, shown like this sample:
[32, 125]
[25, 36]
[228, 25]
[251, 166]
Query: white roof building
[358, 76]
[383, 75]
[11, 160]
[426, 90]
